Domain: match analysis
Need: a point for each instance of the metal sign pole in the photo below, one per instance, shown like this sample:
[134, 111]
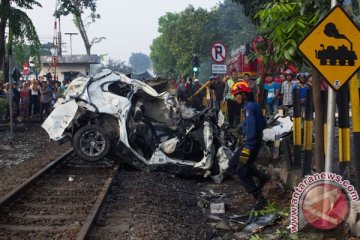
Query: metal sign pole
[331, 104]
[11, 110]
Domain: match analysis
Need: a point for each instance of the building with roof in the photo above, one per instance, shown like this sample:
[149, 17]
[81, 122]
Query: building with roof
[68, 67]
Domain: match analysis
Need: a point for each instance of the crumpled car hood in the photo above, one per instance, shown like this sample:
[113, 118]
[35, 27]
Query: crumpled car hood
[93, 100]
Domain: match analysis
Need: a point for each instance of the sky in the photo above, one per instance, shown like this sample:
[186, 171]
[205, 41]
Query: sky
[128, 25]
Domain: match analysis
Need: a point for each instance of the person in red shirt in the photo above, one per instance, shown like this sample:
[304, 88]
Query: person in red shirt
[24, 101]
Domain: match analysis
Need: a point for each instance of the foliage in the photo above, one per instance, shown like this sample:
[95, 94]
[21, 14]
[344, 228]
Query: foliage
[78, 8]
[191, 32]
[236, 28]
[23, 54]
[27, 4]
[286, 22]
[21, 30]
[251, 7]
[270, 208]
[163, 60]
[118, 66]
[255, 237]
[45, 49]
[286, 235]
[184, 34]
[139, 62]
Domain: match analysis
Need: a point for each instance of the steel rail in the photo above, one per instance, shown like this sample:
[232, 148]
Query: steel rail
[85, 230]
[16, 191]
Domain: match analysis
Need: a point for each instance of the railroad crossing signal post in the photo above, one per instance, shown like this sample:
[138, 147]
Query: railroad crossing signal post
[355, 108]
[333, 48]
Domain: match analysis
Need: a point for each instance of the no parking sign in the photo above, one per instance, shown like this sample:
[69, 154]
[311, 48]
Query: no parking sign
[218, 52]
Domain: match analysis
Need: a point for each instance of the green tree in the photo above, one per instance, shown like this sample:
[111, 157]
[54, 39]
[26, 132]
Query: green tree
[236, 28]
[21, 29]
[251, 7]
[184, 34]
[45, 49]
[118, 66]
[286, 22]
[78, 8]
[192, 31]
[139, 62]
[163, 61]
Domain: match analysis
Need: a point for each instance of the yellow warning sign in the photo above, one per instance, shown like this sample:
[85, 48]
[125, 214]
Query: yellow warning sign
[333, 47]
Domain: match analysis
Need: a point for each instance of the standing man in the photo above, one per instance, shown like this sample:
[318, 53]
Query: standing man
[218, 86]
[302, 87]
[45, 100]
[232, 106]
[287, 89]
[244, 158]
[273, 92]
[197, 101]
[180, 91]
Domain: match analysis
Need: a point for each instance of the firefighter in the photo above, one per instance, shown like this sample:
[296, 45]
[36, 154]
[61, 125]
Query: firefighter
[244, 158]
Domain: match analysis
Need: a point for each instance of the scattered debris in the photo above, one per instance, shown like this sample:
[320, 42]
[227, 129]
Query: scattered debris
[261, 222]
[222, 225]
[217, 208]
[71, 178]
[214, 217]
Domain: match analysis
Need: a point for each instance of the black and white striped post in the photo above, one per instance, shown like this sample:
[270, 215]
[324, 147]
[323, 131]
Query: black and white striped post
[355, 109]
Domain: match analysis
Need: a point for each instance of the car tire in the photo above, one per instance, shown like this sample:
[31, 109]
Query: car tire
[91, 143]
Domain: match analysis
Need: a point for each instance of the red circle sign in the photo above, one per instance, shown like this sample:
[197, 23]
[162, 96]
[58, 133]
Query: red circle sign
[325, 206]
[218, 52]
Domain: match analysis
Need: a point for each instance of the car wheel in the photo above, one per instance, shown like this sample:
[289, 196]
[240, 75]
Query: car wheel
[91, 143]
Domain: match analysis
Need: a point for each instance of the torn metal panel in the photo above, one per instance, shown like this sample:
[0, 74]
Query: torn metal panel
[284, 126]
[59, 119]
[223, 156]
[207, 160]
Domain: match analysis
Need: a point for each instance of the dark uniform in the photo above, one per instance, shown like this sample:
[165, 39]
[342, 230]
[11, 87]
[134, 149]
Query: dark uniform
[244, 158]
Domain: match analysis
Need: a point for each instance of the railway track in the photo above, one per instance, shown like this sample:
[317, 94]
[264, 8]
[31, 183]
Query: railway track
[155, 206]
[61, 201]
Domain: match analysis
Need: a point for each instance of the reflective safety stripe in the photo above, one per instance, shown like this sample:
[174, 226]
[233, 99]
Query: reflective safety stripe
[297, 131]
[246, 151]
[308, 128]
[344, 145]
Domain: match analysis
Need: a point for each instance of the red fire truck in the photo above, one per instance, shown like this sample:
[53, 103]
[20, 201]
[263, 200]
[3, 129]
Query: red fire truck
[242, 64]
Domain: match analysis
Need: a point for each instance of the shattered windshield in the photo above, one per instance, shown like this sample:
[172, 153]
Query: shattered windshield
[76, 88]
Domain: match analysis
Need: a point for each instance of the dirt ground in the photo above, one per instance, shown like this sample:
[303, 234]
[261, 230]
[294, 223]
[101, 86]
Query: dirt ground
[24, 155]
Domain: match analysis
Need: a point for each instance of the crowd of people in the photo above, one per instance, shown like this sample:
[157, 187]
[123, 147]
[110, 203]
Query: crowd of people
[31, 98]
[217, 92]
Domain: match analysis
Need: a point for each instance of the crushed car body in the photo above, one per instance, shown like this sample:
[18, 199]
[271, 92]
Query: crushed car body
[113, 114]
[144, 125]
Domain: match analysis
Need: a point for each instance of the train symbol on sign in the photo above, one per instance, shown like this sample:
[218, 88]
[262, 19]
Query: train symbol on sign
[336, 57]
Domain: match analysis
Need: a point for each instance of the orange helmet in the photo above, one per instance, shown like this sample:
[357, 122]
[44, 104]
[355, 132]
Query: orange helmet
[240, 87]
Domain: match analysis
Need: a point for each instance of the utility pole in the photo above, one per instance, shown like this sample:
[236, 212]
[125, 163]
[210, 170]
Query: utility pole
[71, 34]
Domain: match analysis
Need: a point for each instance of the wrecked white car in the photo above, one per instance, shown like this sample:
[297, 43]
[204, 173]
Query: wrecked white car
[113, 114]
